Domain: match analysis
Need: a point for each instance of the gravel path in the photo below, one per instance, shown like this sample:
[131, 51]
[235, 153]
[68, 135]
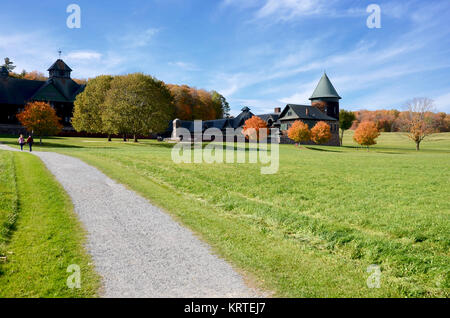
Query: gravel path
[138, 249]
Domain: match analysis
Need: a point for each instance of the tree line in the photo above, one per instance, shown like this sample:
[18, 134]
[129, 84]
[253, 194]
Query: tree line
[418, 121]
[192, 103]
[396, 121]
[138, 104]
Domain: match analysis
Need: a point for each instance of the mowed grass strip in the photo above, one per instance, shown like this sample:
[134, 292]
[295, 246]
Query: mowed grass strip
[47, 237]
[313, 229]
[8, 201]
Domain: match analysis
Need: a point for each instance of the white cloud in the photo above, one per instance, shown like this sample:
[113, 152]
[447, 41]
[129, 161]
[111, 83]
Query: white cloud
[110, 63]
[442, 103]
[38, 51]
[184, 65]
[240, 3]
[302, 97]
[29, 51]
[363, 55]
[136, 38]
[288, 9]
[84, 55]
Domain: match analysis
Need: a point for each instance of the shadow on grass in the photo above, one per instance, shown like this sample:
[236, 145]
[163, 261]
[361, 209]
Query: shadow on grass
[391, 153]
[225, 147]
[153, 144]
[322, 149]
[44, 145]
[13, 143]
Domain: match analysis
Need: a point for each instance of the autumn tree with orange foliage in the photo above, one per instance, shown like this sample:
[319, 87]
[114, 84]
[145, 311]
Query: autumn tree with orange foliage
[35, 76]
[197, 104]
[299, 132]
[366, 134]
[39, 76]
[255, 128]
[394, 120]
[40, 118]
[321, 133]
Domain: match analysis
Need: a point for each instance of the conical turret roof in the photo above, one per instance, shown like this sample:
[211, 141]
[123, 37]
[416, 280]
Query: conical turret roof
[325, 89]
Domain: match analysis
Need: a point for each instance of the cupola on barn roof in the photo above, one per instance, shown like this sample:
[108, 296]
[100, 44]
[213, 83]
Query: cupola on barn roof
[60, 65]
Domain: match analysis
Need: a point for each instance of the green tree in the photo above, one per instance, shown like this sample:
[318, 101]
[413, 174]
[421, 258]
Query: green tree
[90, 105]
[221, 105]
[138, 104]
[9, 64]
[346, 119]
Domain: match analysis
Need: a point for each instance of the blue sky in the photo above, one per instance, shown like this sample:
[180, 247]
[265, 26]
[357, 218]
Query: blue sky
[258, 53]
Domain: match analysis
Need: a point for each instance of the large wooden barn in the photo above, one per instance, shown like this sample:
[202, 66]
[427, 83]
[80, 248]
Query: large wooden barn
[59, 91]
[324, 107]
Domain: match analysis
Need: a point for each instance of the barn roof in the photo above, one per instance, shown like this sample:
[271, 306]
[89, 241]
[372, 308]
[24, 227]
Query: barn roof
[266, 117]
[242, 117]
[49, 92]
[306, 112]
[218, 123]
[16, 91]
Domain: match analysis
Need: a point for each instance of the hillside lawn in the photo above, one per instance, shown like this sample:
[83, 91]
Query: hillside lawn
[312, 229]
[39, 233]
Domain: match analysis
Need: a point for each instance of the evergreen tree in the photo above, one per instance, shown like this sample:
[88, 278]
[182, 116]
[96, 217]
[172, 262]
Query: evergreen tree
[9, 64]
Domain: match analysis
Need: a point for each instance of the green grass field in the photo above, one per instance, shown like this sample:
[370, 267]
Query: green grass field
[39, 233]
[312, 229]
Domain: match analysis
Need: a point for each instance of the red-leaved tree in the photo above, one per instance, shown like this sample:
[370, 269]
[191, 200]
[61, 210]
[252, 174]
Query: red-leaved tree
[40, 118]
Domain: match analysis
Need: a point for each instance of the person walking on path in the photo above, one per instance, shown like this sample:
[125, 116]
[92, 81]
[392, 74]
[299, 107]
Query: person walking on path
[21, 142]
[30, 142]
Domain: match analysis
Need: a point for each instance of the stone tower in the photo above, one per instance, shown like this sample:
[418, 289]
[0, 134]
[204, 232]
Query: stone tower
[326, 98]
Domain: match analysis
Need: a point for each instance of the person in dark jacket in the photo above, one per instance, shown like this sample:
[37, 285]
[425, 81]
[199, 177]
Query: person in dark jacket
[30, 142]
